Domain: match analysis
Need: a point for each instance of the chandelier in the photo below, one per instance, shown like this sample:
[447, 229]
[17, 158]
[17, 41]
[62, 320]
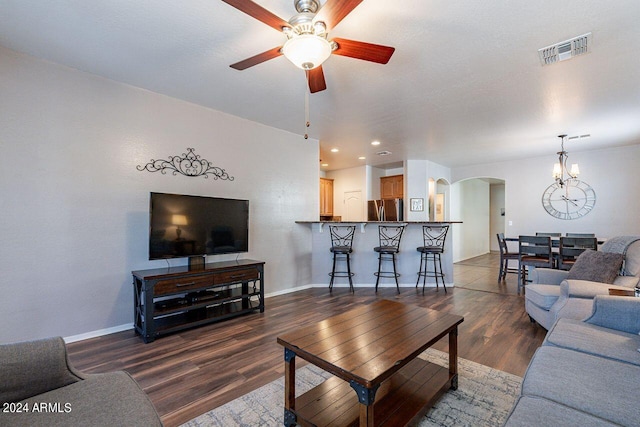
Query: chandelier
[560, 172]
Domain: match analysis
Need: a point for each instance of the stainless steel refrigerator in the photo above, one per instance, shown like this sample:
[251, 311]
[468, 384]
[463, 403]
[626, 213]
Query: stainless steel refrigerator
[385, 210]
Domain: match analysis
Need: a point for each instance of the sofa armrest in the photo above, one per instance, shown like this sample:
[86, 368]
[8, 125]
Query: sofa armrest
[34, 367]
[586, 289]
[626, 281]
[614, 312]
[548, 276]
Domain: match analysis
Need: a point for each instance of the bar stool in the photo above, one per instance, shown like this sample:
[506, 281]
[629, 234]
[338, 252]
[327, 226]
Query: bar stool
[389, 237]
[433, 237]
[341, 247]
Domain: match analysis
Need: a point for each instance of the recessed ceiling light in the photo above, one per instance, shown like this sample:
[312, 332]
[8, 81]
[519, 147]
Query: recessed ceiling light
[334, 150]
[361, 158]
[375, 143]
[325, 165]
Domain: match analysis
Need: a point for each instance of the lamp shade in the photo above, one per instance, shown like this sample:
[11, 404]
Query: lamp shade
[575, 170]
[179, 219]
[307, 51]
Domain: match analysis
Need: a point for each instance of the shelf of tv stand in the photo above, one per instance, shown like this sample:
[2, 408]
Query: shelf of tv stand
[203, 316]
[167, 300]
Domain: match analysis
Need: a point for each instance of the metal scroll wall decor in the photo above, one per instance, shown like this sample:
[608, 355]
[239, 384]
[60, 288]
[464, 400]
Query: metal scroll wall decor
[189, 164]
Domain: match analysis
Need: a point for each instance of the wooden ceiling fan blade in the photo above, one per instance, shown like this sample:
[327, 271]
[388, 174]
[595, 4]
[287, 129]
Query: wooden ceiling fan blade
[257, 59]
[334, 11]
[316, 80]
[258, 12]
[365, 51]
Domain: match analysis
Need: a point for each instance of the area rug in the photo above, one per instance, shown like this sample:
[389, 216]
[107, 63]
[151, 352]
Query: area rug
[484, 398]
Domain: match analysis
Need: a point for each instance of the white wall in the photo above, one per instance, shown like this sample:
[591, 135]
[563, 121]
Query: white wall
[613, 174]
[416, 182]
[374, 175]
[496, 204]
[75, 209]
[351, 179]
[470, 204]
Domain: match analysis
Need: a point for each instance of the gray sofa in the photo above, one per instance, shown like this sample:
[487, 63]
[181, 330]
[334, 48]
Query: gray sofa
[550, 296]
[39, 387]
[586, 373]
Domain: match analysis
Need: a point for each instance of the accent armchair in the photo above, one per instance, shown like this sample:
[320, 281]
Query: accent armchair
[39, 387]
[554, 294]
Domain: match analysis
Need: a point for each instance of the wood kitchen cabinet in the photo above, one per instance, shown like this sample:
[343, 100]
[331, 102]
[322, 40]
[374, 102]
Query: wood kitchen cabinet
[392, 187]
[326, 197]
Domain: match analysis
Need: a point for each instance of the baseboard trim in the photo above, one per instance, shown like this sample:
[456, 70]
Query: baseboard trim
[287, 291]
[98, 333]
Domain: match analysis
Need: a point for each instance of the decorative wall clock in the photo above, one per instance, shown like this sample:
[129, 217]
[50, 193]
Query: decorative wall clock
[570, 199]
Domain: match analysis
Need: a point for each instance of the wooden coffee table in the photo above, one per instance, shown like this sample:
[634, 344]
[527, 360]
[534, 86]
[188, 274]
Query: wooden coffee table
[372, 353]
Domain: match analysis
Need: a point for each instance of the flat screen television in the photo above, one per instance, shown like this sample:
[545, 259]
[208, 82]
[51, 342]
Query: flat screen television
[185, 226]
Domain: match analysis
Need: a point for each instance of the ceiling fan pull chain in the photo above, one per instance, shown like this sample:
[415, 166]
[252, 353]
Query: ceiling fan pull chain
[307, 123]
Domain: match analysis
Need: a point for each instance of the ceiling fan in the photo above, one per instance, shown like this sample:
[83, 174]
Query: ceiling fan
[307, 45]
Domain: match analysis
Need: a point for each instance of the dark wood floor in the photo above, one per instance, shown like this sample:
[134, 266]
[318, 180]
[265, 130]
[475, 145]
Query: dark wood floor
[192, 372]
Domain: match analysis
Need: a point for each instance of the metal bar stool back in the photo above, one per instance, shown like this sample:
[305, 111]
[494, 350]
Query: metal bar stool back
[389, 237]
[434, 237]
[342, 247]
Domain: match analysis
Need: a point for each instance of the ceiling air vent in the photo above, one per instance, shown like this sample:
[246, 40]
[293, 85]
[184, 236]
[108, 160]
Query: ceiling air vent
[565, 50]
[383, 153]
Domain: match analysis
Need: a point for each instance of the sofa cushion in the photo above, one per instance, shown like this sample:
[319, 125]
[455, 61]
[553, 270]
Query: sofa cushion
[543, 296]
[595, 340]
[112, 399]
[601, 387]
[596, 266]
[537, 411]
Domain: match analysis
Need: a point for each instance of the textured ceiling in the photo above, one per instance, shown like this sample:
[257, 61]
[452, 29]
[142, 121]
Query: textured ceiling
[464, 86]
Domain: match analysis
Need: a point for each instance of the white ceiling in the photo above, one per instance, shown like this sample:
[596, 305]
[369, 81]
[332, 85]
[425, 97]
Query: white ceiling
[464, 86]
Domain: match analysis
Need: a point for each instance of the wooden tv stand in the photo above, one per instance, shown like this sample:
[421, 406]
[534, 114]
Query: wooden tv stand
[166, 300]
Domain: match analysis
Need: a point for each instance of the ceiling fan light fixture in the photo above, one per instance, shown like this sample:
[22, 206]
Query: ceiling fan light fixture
[307, 51]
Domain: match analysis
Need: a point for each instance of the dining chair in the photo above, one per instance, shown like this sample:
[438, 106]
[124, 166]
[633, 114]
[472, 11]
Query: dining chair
[555, 238]
[580, 234]
[505, 257]
[533, 251]
[572, 247]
